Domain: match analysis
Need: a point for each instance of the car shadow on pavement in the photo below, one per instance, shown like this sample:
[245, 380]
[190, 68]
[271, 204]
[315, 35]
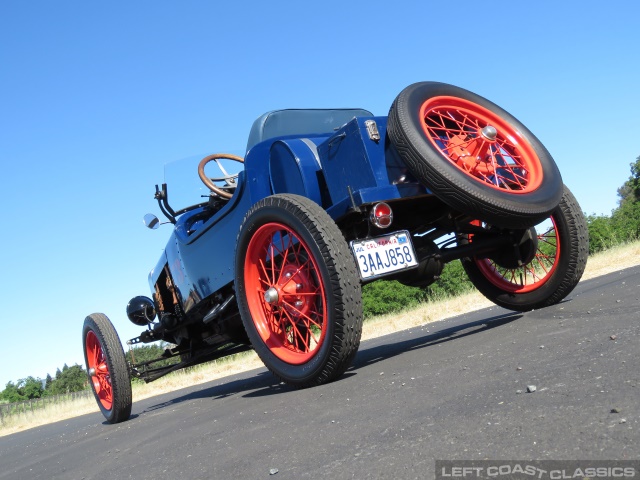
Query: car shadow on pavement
[262, 380]
[385, 351]
[263, 383]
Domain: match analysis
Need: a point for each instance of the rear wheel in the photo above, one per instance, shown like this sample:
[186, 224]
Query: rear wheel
[298, 291]
[554, 260]
[473, 155]
[107, 368]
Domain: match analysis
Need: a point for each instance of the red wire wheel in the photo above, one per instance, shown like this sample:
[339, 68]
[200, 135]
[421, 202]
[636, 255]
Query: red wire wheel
[552, 265]
[107, 368]
[473, 155]
[286, 295]
[481, 144]
[298, 290]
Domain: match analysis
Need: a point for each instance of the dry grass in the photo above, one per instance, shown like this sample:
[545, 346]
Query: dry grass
[600, 264]
[52, 413]
[198, 374]
[612, 260]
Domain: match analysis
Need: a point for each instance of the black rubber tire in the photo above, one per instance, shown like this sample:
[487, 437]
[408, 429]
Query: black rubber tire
[118, 370]
[337, 270]
[453, 186]
[571, 228]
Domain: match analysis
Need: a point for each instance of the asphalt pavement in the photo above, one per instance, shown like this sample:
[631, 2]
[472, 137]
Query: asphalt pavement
[558, 383]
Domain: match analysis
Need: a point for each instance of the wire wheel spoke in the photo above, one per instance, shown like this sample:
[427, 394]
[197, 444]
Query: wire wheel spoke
[298, 341]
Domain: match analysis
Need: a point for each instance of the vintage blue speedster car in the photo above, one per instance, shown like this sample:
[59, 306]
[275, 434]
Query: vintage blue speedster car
[274, 257]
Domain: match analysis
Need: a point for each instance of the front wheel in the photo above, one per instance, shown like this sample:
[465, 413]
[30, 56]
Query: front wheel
[107, 368]
[298, 290]
[553, 267]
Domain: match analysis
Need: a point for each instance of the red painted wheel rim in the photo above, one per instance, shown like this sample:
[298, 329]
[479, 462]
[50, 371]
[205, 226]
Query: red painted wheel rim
[457, 129]
[293, 323]
[97, 363]
[534, 274]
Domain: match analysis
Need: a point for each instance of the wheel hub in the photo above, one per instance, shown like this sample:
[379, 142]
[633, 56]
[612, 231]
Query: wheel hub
[489, 133]
[472, 153]
[291, 291]
[271, 296]
[294, 286]
[522, 253]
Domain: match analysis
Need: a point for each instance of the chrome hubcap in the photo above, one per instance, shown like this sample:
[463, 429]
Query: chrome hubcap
[489, 132]
[271, 296]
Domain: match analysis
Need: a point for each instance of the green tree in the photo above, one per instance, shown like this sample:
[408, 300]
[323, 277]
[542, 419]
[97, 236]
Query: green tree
[624, 223]
[144, 353]
[31, 387]
[11, 393]
[24, 389]
[629, 192]
[70, 379]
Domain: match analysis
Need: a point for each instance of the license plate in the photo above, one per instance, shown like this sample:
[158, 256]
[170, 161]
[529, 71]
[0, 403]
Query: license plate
[383, 255]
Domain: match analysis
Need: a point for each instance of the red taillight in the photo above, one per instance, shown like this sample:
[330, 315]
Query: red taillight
[381, 215]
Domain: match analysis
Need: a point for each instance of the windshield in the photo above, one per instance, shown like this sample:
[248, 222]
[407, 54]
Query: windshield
[184, 187]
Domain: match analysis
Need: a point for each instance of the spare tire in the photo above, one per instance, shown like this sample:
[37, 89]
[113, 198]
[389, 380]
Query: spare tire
[473, 155]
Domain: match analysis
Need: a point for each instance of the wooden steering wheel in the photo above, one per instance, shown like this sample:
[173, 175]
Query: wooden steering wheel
[230, 180]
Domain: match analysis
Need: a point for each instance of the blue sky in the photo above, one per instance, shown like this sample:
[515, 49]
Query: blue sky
[96, 97]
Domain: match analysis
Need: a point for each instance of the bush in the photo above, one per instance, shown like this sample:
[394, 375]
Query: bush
[144, 353]
[626, 221]
[622, 226]
[388, 296]
[453, 281]
[602, 234]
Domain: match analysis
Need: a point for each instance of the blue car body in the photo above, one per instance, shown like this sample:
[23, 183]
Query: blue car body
[336, 162]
